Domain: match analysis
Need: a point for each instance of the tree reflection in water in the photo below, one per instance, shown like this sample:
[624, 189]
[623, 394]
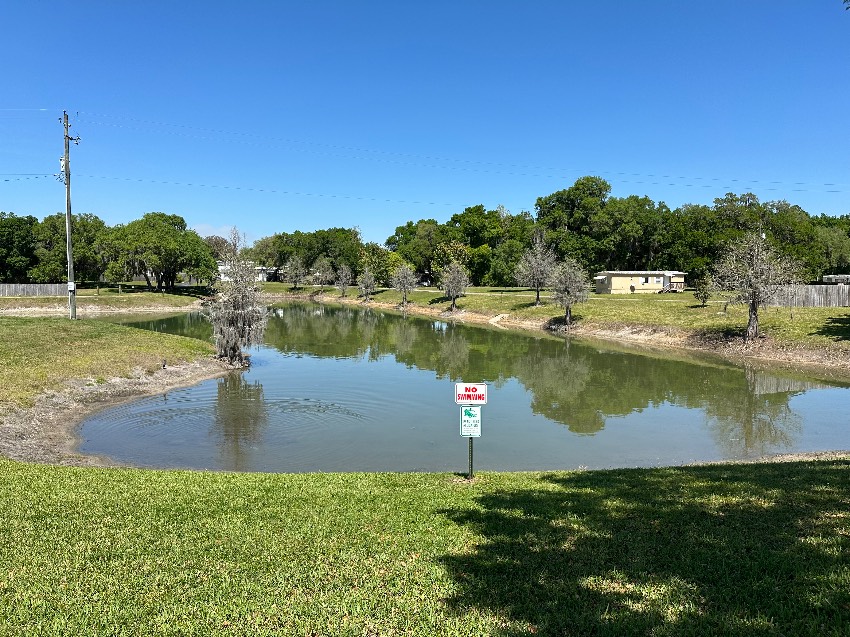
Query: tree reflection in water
[241, 416]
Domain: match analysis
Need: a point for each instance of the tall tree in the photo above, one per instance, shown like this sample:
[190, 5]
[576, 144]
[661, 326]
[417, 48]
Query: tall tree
[238, 313]
[366, 284]
[17, 247]
[343, 278]
[87, 230]
[754, 271]
[161, 246]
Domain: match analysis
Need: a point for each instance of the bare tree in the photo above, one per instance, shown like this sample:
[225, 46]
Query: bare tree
[754, 271]
[404, 280]
[343, 278]
[535, 266]
[455, 280]
[237, 313]
[366, 284]
[569, 286]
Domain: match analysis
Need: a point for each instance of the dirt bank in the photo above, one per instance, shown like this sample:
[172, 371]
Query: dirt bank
[46, 432]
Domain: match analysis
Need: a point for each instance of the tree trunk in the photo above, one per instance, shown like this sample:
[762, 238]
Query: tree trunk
[753, 323]
[568, 315]
[537, 300]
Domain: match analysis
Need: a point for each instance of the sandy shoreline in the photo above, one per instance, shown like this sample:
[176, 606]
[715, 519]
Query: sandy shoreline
[47, 432]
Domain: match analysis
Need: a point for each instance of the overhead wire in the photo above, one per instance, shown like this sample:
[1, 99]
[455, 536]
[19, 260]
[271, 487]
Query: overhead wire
[554, 173]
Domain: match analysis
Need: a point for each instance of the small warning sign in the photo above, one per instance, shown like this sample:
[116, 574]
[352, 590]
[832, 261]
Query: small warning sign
[470, 421]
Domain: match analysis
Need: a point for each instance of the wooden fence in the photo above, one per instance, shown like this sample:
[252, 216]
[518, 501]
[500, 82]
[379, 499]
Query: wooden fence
[33, 289]
[812, 296]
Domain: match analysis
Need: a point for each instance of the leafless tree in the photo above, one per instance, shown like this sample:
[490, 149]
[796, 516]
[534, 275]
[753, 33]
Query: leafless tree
[754, 271]
[535, 266]
[404, 280]
[343, 278]
[455, 280]
[569, 286]
[366, 284]
[237, 313]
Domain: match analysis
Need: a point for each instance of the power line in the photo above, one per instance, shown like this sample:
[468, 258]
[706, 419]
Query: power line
[269, 190]
[768, 185]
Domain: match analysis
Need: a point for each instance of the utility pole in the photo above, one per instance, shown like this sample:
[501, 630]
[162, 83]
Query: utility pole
[66, 169]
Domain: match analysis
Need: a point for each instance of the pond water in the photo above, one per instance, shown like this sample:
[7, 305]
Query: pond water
[350, 389]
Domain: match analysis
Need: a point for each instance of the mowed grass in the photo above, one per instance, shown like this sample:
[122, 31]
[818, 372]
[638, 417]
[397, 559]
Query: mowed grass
[744, 550]
[132, 296]
[37, 354]
[809, 327]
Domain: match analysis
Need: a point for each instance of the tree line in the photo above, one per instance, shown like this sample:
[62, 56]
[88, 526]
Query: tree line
[583, 225]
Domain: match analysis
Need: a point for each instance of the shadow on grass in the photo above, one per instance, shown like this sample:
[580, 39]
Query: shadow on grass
[836, 328]
[731, 550]
[439, 299]
[193, 291]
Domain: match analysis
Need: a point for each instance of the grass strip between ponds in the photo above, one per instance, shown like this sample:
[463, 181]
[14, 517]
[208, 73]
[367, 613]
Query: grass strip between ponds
[753, 549]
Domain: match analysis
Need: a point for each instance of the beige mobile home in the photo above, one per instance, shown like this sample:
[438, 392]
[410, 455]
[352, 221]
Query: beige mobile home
[639, 281]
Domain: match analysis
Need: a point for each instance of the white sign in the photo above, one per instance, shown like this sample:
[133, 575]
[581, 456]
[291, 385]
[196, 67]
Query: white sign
[471, 393]
[470, 421]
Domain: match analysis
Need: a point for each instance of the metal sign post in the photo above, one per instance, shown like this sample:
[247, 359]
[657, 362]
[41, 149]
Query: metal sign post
[470, 427]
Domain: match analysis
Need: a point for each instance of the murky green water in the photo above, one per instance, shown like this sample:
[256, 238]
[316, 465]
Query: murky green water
[347, 389]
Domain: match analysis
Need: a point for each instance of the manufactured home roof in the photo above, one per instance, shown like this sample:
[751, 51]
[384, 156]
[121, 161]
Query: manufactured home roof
[639, 272]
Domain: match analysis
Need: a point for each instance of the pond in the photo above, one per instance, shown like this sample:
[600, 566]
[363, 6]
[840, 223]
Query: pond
[351, 389]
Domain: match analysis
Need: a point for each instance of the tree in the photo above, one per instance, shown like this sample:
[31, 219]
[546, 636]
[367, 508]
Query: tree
[366, 284]
[218, 246]
[754, 271]
[404, 280]
[455, 280]
[343, 278]
[161, 246]
[569, 286]
[535, 266]
[702, 289]
[323, 272]
[17, 247]
[238, 314]
[295, 271]
[51, 248]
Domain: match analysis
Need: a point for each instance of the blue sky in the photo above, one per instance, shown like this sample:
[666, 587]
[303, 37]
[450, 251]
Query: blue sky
[283, 116]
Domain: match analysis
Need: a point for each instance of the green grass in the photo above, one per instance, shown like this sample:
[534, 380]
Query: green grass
[718, 550]
[809, 327]
[37, 354]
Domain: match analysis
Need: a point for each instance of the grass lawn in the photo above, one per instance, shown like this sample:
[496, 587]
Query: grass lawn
[133, 295]
[39, 353]
[810, 327]
[718, 550]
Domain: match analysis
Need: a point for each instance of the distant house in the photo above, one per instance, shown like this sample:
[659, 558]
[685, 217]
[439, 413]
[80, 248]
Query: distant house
[639, 281]
[836, 279]
[262, 273]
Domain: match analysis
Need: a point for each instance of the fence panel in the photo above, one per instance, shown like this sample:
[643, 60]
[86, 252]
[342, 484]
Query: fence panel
[813, 296]
[33, 289]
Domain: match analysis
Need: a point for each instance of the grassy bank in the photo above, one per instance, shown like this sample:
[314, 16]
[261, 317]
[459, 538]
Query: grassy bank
[37, 354]
[735, 550]
[816, 328]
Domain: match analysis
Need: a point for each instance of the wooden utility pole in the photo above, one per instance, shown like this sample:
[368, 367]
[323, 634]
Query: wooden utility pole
[66, 169]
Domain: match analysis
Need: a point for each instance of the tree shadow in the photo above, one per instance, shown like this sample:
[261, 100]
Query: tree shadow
[732, 550]
[836, 328]
[439, 299]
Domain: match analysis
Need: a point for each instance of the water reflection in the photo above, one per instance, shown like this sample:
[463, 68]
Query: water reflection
[241, 417]
[629, 408]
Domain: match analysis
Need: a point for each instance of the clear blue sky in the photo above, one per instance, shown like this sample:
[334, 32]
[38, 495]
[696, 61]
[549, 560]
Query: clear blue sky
[280, 115]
